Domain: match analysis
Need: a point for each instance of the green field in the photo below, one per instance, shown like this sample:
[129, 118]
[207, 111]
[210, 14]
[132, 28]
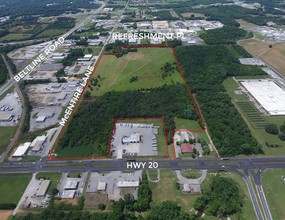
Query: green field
[165, 189]
[255, 120]
[12, 186]
[53, 177]
[145, 64]
[274, 189]
[15, 37]
[6, 133]
[51, 33]
[192, 174]
[95, 49]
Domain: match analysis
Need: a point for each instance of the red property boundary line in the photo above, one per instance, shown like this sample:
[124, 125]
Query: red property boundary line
[192, 131]
[191, 96]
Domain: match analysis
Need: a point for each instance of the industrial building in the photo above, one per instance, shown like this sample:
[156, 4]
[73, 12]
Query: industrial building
[21, 150]
[42, 190]
[266, 94]
[251, 61]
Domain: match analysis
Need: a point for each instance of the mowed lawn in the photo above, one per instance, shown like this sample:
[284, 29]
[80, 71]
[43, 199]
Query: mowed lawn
[274, 189]
[12, 186]
[6, 133]
[145, 64]
[165, 189]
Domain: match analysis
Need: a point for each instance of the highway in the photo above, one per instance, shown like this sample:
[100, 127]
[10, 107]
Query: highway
[248, 168]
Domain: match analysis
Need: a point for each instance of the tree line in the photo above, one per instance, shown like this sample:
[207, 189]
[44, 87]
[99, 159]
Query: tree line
[206, 67]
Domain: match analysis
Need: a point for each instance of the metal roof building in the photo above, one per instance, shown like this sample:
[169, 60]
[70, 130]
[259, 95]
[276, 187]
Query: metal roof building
[41, 192]
[71, 183]
[21, 150]
[6, 117]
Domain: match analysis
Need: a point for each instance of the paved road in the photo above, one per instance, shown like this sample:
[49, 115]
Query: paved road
[21, 121]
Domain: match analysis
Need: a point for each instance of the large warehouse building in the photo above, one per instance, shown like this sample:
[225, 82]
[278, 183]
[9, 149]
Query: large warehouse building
[267, 94]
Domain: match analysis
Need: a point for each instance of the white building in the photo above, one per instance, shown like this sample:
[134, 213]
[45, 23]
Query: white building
[21, 150]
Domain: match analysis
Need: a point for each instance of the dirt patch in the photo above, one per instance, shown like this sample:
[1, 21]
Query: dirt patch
[174, 14]
[246, 24]
[274, 56]
[4, 214]
[134, 56]
[92, 200]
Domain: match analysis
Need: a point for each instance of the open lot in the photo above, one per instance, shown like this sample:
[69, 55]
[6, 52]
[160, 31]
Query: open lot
[273, 56]
[15, 184]
[274, 188]
[167, 184]
[6, 133]
[116, 73]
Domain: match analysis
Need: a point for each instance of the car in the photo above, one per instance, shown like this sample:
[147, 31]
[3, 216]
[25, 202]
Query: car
[223, 166]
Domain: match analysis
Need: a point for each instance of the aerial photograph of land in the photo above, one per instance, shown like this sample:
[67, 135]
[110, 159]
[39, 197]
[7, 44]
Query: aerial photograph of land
[142, 109]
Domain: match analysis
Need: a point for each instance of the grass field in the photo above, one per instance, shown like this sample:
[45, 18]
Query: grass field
[273, 56]
[256, 120]
[6, 133]
[145, 64]
[53, 177]
[95, 49]
[167, 183]
[274, 189]
[192, 174]
[12, 186]
[12, 37]
[51, 33]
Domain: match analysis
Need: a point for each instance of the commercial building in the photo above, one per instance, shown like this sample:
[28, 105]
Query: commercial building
[68, 194]
[128, 184]
[71, 184]
[133, 138]
[21, 150]
[41, 119]
[86, 58]
[42, 190]
[186, 148]
[101, 186]
[251, 61]
[38, 143]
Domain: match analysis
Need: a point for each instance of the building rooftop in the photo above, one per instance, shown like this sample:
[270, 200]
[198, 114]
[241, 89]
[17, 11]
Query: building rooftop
[22, 149]
[43, 188]
[186, 148]
[101, 186]
[71, 183]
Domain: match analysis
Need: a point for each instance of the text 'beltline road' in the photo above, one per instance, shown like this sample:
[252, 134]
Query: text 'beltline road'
[39, 59]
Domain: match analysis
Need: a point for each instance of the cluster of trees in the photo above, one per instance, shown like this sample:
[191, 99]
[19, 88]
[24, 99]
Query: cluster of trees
[162, 15]
[220, 199]
[15, 8]
[26, 124]
[273, 129]
[206, 67]
[73, 56]
[92, 125]
[6, 206]
[62, 22]
[225, 35]
[3, 71]
[168, 69]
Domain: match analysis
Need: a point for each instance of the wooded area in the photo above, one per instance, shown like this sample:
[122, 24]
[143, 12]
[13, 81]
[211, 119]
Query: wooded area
[91, 126]
[206, 67]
